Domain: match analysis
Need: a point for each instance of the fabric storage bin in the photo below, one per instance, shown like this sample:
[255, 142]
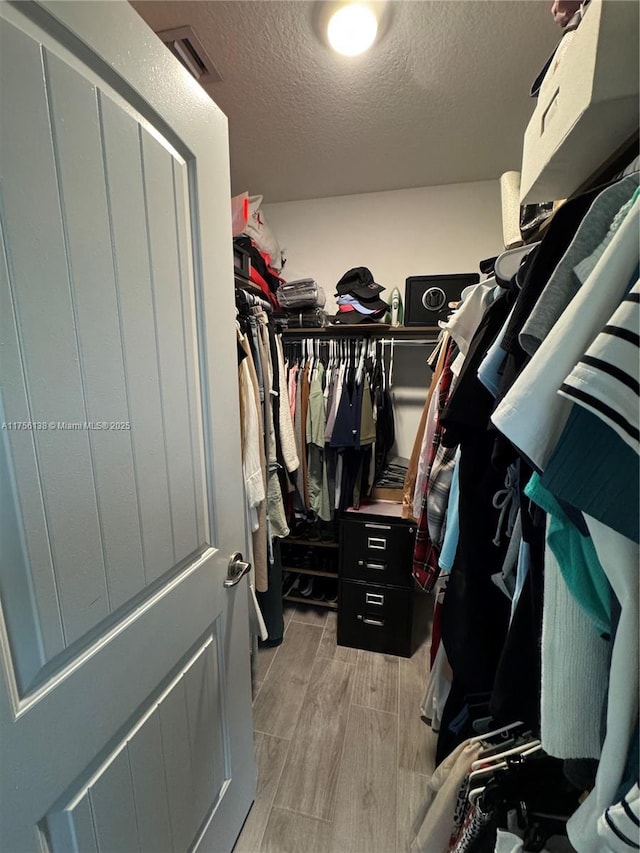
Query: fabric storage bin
[587, 105]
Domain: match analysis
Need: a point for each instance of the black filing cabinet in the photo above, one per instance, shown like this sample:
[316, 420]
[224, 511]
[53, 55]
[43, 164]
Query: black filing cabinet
[378, 608]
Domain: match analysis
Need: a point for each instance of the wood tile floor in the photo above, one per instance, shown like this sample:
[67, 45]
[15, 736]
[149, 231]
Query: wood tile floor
[343, 757]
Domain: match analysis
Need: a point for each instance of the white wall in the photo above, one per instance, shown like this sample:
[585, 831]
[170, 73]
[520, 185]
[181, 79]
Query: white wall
[424, 231]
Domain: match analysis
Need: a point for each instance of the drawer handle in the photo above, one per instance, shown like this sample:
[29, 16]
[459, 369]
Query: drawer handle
[374, 598]
[378, 526]
[376, 544]
[378, 566]
[377, 623]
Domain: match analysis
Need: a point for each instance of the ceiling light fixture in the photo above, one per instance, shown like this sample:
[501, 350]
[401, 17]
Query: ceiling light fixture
[352, 29]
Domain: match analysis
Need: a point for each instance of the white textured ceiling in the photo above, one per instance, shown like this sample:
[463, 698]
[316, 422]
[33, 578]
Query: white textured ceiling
[443, 97]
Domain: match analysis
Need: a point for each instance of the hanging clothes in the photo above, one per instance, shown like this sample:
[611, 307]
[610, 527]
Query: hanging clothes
[343, 423]
[252, 463]
[285, 415]
[255, 483]
[409, 508]
[269, 452]
[317, 470]
[426, 554]
[539, 621]
[533, 415]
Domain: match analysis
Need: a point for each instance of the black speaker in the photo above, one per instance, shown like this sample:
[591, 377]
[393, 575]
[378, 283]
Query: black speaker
[427, 297]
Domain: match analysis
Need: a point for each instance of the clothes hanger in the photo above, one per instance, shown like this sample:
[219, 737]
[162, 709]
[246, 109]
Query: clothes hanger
[477, 776]
[328, 371]
[494, 772]
[360, 370]
[443, 340]
[522, 750]
[488, 735]
[508, 263]
[313, 370]
[511, 748]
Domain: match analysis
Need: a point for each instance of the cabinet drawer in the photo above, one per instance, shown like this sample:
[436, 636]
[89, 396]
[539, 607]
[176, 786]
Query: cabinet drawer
[377, 552]
[375, 618]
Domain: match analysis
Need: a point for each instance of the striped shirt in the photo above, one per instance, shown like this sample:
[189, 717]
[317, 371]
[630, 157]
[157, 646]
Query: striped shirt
[619, 826]
[606, 380]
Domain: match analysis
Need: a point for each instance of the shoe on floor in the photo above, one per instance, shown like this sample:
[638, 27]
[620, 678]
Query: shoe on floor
[306, 587]
[290, 584]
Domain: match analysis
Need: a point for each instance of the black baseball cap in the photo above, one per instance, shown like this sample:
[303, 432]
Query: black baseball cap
[359, 282]
[364, 306]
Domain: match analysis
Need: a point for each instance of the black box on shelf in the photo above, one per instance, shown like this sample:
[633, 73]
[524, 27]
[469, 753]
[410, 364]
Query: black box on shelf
[427, 297]
[241, 261]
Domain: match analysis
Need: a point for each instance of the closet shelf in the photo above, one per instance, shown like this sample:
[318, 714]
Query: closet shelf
[300, 599]
[245, 284]
[316, 572]
[320, 560]
[377, 330]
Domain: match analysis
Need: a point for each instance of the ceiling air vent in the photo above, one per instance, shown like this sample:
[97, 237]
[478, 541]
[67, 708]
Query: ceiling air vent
[187, 48]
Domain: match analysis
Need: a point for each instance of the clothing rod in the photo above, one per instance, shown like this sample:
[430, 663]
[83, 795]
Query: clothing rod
[396, 341]
[401, 342]
[408, 395]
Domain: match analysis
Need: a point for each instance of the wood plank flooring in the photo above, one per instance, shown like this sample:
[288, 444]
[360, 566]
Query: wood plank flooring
[343, 757]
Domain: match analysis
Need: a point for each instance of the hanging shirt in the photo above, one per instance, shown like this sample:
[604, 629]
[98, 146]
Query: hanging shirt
[367, 423]
[593, 236]
[491, 366]
[315, 425]
[618, 825]
[606, 380]
[425, 568]
[317, 471]
[251, 463]
[346, 430]
[409, 509]
[463, 324]
[438, 488]
[576, 557]
[533, 415]
[335, 394]
[427, 450]
[588, 453]
[303, 383]
[575, 672]
[275, 502]
[287, 437]
[292, 378]
[619, 558]
[452, 531]
[259, 520]
[542, 261]
[440, 797]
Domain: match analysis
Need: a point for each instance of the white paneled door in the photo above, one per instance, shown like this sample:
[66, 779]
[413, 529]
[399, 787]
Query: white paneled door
[125, 706]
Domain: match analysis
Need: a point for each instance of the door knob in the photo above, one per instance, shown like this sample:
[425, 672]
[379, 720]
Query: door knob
[237, 569]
